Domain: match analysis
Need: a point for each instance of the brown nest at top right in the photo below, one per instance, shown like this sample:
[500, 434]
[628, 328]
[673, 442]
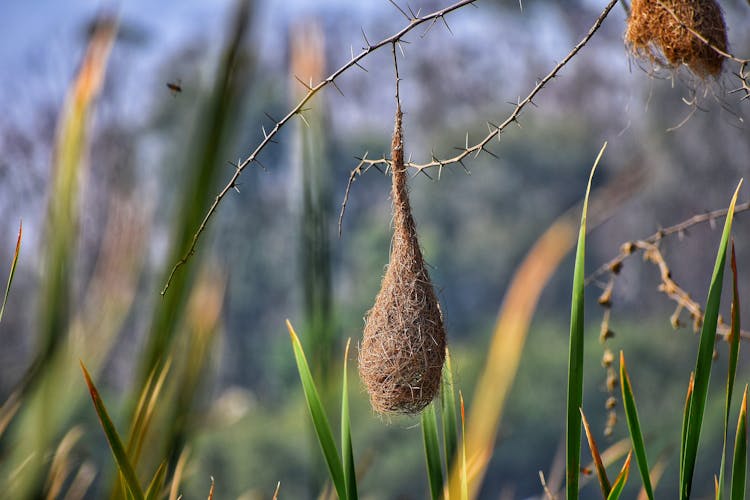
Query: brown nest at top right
[671, 33]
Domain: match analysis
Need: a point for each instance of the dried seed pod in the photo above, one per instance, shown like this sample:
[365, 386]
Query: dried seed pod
[664, 32]
[611, 422]
[611, 380]
[403, 349]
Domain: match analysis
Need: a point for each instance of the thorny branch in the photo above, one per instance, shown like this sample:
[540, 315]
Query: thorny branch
[268, 137]
[494, 130]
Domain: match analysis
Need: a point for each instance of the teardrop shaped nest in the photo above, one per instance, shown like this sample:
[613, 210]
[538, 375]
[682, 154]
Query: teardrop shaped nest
[402, 353]
[664, 32]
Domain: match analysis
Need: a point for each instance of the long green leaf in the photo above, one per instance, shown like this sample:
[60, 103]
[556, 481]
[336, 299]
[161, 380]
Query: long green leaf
[634, 426]
[448, 413]
[739, 465]
[115, 443]
[194, 185]
[621, 479]
[705, 357]
[575, 356]
[40, 387]
[347, 453]
[318, 414]
[432, 451]
[601, 471]
[12, 269]
[734, 351]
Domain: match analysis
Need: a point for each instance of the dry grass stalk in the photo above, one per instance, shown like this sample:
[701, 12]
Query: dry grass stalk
[663, 32]
[403, 349]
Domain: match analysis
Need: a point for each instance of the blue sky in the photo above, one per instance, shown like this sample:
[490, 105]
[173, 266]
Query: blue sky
[26, 24]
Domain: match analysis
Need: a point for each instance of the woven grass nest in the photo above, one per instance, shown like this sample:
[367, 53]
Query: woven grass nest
[403, 349]
[655, 34]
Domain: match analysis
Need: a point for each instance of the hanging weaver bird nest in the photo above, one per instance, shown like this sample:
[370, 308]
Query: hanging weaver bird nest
[665, 32]
[403, 349]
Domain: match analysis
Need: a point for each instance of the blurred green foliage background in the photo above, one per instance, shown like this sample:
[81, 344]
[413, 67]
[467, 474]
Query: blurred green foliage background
[151, 160]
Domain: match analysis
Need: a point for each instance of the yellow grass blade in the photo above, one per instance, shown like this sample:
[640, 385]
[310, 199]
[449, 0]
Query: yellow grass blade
[177, 476]
[508, 339]
[61, 465]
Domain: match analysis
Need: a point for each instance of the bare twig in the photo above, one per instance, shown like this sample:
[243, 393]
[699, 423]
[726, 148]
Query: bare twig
[296, 110]
[652, 253]
[615, 264]
[667, 285]
[649, 248]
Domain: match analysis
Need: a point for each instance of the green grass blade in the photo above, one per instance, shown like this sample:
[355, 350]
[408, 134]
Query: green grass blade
[153, 492]
[734, 351]
[657, 471]
[49, 378]
[464, 471]
[347, 453]
[634, 426]
[621, 479]
[194, 186]
[739, 466]
[121, 458]
[315, 191]
[685, 414]
[319, 418]
[63, 209]
[432, 451]
[448, 413]
[145, 412]
[705, 357]
[717, 490]
[575, 356]
[12, 269]
[601, 471]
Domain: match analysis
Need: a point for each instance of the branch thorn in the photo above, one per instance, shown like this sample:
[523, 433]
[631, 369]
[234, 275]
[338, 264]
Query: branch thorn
[401, 10]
